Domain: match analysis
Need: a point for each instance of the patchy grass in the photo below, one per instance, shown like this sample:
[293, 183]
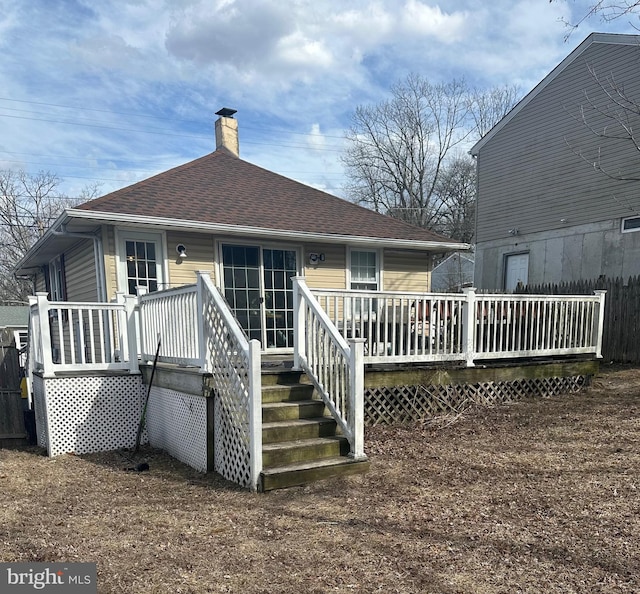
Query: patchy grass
[539, 496]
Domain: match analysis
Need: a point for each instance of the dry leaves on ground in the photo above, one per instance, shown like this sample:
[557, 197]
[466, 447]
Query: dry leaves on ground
[537, 496]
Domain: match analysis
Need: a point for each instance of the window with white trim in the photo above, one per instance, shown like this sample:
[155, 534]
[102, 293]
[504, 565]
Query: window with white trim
[364, 270]
[141, 261]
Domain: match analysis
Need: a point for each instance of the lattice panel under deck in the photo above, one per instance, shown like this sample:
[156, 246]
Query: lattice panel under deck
[92, 414]
[401, 404]
[177, 423]
[229, 368]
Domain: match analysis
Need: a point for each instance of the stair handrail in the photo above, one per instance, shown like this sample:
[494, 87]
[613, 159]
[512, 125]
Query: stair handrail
[334, 365]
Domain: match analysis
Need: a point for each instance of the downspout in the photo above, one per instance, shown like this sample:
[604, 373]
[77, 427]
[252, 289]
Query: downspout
[98, 257]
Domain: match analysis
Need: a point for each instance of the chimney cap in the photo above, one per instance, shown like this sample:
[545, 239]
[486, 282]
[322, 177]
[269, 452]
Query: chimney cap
[226, 112]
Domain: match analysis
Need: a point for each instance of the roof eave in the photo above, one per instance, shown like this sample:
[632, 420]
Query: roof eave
[126, 219]
[49, 233]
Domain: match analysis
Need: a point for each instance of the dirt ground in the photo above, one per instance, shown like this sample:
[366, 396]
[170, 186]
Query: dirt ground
[538, 496]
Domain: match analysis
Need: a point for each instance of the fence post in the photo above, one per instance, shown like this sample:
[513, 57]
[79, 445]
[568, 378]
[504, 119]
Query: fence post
[255, 412]
[600, 322]
[45, 333]
[299, 327]
[469, 325]
[356, 397]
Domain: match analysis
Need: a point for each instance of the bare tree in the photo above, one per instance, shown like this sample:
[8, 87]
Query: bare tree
[606, 10]
[487, 108]
[28, 205]
[612, 115]
[403, 154]
[457, 192]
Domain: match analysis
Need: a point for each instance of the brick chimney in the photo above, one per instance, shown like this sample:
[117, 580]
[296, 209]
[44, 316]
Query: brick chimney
[227, 131]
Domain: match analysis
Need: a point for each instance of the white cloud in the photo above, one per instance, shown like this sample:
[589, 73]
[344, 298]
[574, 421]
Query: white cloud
[288, 67]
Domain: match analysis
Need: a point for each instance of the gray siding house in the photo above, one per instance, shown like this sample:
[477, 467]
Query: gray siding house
[559, 176]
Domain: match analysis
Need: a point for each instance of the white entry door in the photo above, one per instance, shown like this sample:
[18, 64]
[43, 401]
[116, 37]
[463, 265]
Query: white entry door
[516, 271]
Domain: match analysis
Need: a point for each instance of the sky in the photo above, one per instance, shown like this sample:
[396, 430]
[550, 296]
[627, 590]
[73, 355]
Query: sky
[115, 91]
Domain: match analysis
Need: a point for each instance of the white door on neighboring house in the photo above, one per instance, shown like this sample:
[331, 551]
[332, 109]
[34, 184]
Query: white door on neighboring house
[516, 271]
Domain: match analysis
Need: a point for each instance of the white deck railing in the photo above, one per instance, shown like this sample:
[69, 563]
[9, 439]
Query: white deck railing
[174, 317]
[334, 365]
[68, 336]
[434, 327]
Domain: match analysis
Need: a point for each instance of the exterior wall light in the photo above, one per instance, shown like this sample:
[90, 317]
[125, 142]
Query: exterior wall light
[182, 250]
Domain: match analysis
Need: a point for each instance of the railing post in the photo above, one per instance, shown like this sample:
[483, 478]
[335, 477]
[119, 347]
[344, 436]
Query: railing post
[202, 347]
[600, 322]
[130, 303]
[255, 412]
[299, 326]
[469, 327]
[33, 344]
[45, 332]
[356, 397]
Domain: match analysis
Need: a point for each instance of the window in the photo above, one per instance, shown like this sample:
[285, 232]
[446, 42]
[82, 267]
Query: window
[141, 262]
[364, 271]
[57, 286]
[365, 276]
[630, 224]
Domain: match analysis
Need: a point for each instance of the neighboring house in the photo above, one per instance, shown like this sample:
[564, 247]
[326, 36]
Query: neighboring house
[558, 196]
[14, 321]
[453, 274]
[251, 228]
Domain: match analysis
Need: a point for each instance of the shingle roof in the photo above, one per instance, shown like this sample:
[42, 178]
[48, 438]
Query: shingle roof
[221, 188]
[14, 316]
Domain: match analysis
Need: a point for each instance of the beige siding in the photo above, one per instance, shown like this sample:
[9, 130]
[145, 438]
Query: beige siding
[330, 274]
[200, 256]
[406, 271]
[80, 272]
[403, 270]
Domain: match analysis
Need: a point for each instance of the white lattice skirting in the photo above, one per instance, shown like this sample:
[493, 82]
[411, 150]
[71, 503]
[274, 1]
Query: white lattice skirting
[87, 414]
[177, 423]
[401, 404]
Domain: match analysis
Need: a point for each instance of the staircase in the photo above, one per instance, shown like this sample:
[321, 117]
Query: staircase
[300, 441]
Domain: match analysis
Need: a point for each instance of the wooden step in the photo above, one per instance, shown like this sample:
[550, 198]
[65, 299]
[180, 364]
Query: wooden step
[283, 378]
[298, 429]
[307, 472]
[303, 450]
[286, 411]
[287, 393]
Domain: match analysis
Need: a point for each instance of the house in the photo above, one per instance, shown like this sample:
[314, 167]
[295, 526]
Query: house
[557, 176]
[177, 299]
[14, 321]
[453, 273]
[252, 228]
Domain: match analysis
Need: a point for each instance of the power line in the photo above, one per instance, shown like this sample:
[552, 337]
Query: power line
[156, 117]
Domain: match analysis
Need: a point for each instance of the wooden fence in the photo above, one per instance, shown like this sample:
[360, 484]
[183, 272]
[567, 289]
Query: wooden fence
[12, 429]
[621, 337]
